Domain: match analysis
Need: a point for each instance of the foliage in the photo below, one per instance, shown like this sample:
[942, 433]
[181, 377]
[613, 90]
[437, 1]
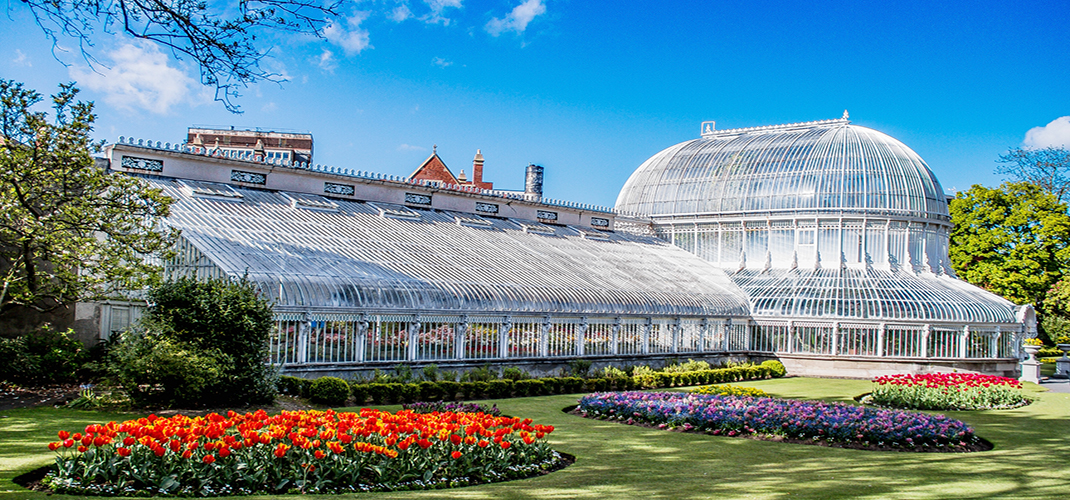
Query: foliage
[514, 373]
[810, 420]
[776, 368]
[1048, 169]
[454, 407]
[230, 319]
[69, 230]
[331, 391]
[44, 356]
[947, 391]
[1033, 341]
[690, 366]
[156, 369]
[294, 386]
[731, 390]
[480, 374]
[431, 373]
[220, 38]
[579, 367]
[1013, 241]
[612, 372]
[310, 452]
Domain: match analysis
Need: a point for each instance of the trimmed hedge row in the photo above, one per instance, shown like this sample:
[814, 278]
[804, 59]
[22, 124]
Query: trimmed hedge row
[394, 393]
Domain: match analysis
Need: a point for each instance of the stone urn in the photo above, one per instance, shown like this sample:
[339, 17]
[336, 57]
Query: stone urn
[1062, 365]
[1030, 366]
[1031, 351]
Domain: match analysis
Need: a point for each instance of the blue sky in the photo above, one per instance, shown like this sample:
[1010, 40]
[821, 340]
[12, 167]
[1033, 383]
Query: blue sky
[590, 90]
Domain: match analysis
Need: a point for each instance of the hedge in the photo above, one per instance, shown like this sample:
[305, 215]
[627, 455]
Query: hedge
[396, 393]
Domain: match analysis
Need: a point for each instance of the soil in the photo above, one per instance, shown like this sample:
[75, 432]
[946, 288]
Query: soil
[13, 396]
[982, 444]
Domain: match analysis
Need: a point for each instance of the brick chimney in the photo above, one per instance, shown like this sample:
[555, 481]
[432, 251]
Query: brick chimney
[477, 168]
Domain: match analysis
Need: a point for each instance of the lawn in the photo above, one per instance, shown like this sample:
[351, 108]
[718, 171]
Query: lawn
[1031, 458]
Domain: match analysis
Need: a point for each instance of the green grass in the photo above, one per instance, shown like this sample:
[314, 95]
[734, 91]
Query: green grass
[1031, 458]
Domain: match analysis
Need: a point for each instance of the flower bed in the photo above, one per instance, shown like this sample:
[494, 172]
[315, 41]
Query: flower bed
[731, 390]
[947, 391]
[452, 406]
[308, 452]
[810, 421]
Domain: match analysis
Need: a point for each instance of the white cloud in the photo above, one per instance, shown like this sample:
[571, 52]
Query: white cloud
[518, 19]
[139, 77]
[269, 107]
[437, 8]
[351, 38]
[326, 61]
[409, 147]
[400, 13]
[442, 63]
[1055, 134]
[21, 59]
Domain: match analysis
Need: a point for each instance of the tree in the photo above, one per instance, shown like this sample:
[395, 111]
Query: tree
[69, 230]
[1048, 168]
[1013, 241]
[220, 37]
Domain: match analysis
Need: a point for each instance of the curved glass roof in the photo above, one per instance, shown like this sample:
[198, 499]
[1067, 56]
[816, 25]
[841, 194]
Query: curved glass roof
[871, 294]
[825, 166]
[312, 252]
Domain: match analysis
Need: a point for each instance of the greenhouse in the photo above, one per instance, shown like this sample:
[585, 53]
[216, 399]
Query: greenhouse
[838, 234]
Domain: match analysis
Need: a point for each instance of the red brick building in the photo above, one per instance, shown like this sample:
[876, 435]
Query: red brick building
[435, 170]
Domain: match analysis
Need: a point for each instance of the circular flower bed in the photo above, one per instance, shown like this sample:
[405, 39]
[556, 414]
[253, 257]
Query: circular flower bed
[833, 424]
[947, 391]
[307, 452]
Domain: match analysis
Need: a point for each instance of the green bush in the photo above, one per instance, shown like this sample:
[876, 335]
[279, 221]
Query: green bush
[294, 386]
[360, 393]
[449, 389]
[551, 385]
[513, 373]
[774, 368]
[429, 391]
[381, 394]
[500, 388]
[571, 385]
[690, 366]
[529, 387]
[223, 319]
[481, 374]
[579, 367]
[431, 373]
[597, 385]
[331, 391]
[407, 393]
[156, 370]
[43, 356]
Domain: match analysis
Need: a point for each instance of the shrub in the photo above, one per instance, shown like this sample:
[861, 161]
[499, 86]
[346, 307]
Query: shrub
[551, 385]
[44, 356]
[429, 391]
[380, 393]
[571, 385]
[226, 320]
[293, 386]
[514, 373]
[579, 367]
[614, 373]
[597, 384]
[331, 391]
[731, 390]
[529, 387]
[360, 393]
[774, 368]
[154, 369]
[690, 366]
[500, 388]
[481, 374]
[431, 373]
[449, 389]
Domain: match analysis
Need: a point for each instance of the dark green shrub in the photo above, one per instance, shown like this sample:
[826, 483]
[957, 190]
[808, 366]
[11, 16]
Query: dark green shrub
[481, 389]
[481, 374]
[571, 385]
[225, 319]
[156, 370]
[449, 389]
[597, 385]
[579, 367]
[290, 385]
[331, 391]
[431, 373]
[537, 387]
[527, 387]
[360, 393]
[407, 393]
[44, 356]
[500, 388]
[551, 385]
[429, 391]
[468, 390]
[381, 393]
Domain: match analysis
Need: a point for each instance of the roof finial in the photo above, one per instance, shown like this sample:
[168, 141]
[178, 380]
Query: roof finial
[845, 115]
[434, 149]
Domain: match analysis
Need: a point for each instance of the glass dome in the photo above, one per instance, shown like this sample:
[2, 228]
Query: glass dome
[824, 166]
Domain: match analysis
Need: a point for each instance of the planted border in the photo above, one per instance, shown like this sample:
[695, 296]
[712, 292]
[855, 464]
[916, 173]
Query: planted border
[297, 452]
[833, 424]
[947, 391]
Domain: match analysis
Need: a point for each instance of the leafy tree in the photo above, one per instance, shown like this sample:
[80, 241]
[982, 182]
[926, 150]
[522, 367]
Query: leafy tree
[1048, 168]
[220, 37]
[226, 320]
[1013, 241]
[69, 230]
